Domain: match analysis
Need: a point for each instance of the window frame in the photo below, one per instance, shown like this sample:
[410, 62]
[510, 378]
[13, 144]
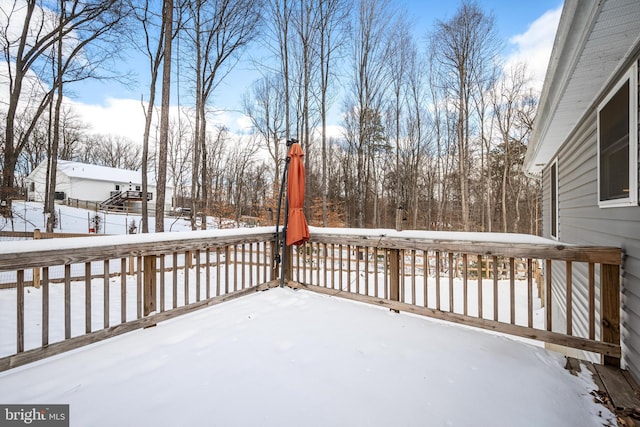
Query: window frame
[630, 76]
[554, 205]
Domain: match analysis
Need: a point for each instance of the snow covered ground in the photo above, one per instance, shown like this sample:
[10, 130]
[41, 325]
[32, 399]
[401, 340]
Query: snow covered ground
[28, 216]
[291, 358]
[295, 358]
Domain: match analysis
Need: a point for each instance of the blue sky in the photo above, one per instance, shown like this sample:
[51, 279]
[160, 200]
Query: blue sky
[527, 27]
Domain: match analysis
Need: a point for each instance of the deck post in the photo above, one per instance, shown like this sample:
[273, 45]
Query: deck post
[288, 265]
[610, 308]
[149, 284]
[394, 275]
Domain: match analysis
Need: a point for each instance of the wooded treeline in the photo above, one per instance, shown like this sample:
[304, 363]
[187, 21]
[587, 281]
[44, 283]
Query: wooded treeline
[433, 127]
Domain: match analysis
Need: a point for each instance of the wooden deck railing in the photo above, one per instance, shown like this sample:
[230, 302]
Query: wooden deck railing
[497, 286]
[93, 288]
[128, 282]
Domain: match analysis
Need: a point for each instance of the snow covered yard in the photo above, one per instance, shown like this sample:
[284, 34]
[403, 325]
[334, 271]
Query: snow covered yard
[292, 358]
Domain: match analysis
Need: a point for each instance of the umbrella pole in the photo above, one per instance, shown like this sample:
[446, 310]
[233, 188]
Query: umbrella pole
[279, 242]
[284, 241]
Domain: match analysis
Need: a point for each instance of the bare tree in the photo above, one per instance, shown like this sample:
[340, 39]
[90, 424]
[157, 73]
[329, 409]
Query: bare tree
[400, 41]
[28, 34]
[264, 106]
[513, 108]
[72, 133]
[219, 30]
[161, 179]
[419, 129]
[369, 84]
[459, 46]
[111, 150]
[332, 24]
[240, 163]
[153, 22]
[280, 14]
[179, 158]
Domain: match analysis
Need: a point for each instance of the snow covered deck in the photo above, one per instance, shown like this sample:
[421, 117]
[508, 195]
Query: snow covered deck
[290, 358]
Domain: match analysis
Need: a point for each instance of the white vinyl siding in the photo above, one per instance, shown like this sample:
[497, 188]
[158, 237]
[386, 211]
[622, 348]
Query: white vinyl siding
[583, 222]
[553, 200]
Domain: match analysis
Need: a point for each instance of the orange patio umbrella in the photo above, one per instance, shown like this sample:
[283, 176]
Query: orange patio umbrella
[297, 229]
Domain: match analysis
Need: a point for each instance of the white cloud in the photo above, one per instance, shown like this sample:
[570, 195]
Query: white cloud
[534, 45]
[118, 116]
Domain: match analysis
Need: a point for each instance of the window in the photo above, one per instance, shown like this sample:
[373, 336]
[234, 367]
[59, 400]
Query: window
[117, 187]
[554, 199]
[618, 144]
[138, 188]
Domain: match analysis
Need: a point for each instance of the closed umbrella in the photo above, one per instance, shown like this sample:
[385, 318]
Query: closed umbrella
[297, 229]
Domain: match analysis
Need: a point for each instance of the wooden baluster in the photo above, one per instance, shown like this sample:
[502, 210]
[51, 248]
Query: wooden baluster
[512, 290]
[324, 268]
[227, 251]
[341, 269]
[20, 311]
[610, 308]
[139, 294]
[465, 284]
[437, 271]
[243, 265]
[549, 286]
[162, 282]
[87, 297]
[198, 274]
[480, 293]
[175, 280]
[413, 277]
[495, 288]
[451, 272]
[123, 290]
[592, 301]
[376, 281]
[357, 253]
[207, 271]
[425, 276]
[366, 270]
[67, 301]
[529, 293]
[45, 306]
[187, 267]
[219, 269]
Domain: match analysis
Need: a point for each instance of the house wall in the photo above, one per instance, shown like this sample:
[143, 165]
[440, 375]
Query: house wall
[95, 191]
[39, 178]
[84, 189]
[581, 221]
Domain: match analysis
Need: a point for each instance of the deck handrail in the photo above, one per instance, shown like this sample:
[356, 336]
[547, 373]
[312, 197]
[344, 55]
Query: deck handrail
[346, 263]
[164, 275]
[161, 276]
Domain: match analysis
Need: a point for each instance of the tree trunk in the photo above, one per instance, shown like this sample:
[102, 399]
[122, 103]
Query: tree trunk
[164, 117]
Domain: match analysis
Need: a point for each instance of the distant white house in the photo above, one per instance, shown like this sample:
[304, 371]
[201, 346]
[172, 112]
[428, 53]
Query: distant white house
[94, 183]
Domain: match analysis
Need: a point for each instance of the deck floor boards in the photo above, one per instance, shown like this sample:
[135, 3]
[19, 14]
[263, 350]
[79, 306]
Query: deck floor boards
[617, 389]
